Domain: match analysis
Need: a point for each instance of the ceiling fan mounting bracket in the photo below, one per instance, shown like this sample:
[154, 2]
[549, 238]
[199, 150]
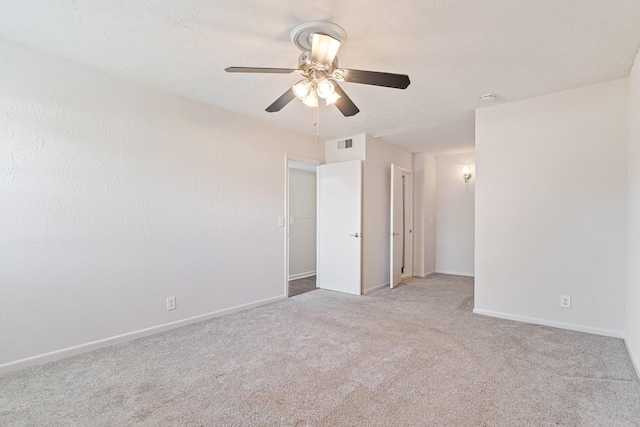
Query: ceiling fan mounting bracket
[302, 35]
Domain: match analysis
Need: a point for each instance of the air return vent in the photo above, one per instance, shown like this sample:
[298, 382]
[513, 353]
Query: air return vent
[345, 143]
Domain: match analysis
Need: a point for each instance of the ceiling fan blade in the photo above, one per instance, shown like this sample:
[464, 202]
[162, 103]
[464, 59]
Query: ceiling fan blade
[396, 81]
[261, 70]
[279, 103]
[345, 104]
[324, 49]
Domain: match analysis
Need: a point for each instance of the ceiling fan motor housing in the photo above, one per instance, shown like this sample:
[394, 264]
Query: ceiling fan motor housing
[308, 67]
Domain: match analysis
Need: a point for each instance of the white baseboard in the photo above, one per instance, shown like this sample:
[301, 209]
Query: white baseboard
[553, 323]
[302, 275]
[375, 288]
[455, 273]
[106, 342]
[636, 364]
[431, 273]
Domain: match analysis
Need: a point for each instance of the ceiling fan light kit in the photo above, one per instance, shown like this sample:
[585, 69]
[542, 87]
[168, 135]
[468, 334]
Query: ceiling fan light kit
[309, 90]
[318, 64]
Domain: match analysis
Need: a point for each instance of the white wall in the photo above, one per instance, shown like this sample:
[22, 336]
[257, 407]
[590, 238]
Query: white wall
[633, 218]
[356, 152]
[116, 196]
[376, 210]
[302, 224]
[551, 209]
[424, 171]
[455, 207]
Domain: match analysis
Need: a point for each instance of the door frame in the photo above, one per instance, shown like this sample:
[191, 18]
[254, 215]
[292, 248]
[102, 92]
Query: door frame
[408, 239]
[409, 212]
[299, 159]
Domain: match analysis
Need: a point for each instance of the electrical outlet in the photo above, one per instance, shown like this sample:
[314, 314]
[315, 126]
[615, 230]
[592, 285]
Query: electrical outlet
[171, 303]
[565, 301]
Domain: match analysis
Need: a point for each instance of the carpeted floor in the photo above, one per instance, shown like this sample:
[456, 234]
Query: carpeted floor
[411, 356]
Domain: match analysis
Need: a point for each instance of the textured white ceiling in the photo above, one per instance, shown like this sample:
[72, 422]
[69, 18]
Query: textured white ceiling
[453, 50]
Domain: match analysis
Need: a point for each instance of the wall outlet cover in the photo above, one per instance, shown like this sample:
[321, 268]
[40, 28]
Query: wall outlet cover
[171, 303]
[565, 301]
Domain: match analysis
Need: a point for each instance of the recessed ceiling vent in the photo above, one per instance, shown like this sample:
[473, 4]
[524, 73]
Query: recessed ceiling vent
[345, 143]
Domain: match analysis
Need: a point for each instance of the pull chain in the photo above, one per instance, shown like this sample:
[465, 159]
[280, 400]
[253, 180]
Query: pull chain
[317, 125]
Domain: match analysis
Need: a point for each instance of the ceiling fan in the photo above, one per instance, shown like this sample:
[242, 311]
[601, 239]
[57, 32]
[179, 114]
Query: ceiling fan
[318, 64]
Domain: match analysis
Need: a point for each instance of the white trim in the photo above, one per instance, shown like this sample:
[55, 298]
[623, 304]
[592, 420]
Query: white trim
[299, 159]
[633, 362]
[302, 159]
[129, 336]
[553, 323]
[375, 288]
[302, 275]
[454, 273]
[425, 275]
[405, 171]
[411, 232]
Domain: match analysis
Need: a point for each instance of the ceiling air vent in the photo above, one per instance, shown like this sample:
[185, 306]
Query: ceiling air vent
[345, 143]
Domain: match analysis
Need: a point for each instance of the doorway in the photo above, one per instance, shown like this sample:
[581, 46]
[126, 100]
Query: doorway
[407, 216]
[401, 232]
[301, 225]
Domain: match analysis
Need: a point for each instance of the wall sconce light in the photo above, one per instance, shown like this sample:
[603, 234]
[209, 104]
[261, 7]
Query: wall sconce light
[466, 173]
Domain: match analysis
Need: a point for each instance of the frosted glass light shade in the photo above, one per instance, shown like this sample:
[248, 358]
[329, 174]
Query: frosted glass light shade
[311, 100]
[331, 99]
[302, 89]
[325, 88]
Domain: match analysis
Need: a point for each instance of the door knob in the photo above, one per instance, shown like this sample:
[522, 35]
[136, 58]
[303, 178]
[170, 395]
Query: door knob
[355, 235]
[394, 234]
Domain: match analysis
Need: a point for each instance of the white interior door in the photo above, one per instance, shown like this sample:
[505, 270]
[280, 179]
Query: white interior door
[339, 223]
[395, 232]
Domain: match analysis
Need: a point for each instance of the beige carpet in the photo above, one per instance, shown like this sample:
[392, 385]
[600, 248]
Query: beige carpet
[412, 356]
